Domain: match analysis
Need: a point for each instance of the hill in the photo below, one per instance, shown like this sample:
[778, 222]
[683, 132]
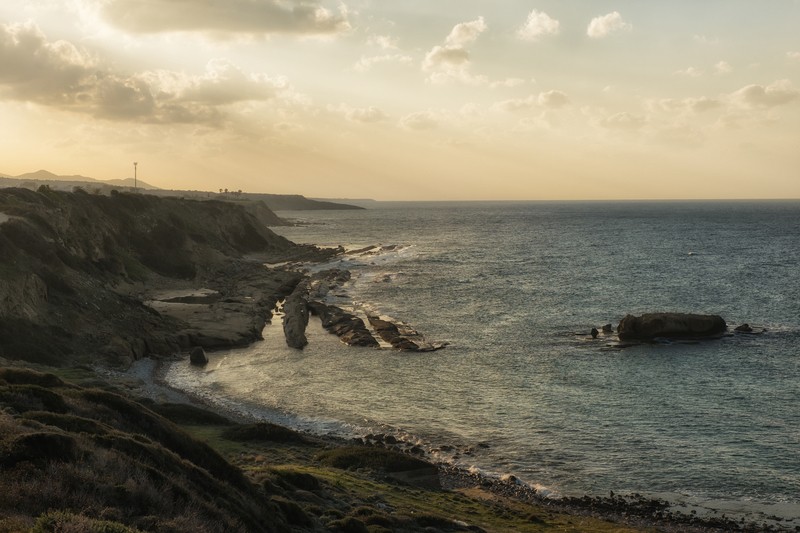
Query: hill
[275, 202]
[71, 265]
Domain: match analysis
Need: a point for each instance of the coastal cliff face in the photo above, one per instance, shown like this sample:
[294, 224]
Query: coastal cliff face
[73, 267]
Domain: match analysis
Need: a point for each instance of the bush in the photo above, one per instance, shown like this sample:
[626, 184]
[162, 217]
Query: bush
[263, 431]
[181, 413]
[65, 522]
[374, 458]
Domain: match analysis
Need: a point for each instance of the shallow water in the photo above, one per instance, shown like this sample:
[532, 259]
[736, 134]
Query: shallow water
[715, 423]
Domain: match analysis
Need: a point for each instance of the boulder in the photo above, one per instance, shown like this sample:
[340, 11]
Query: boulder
[670, 325]
[198, 357]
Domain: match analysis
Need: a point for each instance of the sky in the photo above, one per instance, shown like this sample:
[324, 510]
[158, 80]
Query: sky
[409, 100]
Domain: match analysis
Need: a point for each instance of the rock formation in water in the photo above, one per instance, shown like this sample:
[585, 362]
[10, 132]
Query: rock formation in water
[348, 327]
[670, 325]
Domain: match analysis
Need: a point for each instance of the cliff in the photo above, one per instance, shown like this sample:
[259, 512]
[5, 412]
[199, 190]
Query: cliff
[73, 267]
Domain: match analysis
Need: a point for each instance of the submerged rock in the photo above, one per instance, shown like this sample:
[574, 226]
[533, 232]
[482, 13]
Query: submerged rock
[670, 325]
[198, 356]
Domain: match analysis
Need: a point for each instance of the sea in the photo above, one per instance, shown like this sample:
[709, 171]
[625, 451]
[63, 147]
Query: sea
[523, 388]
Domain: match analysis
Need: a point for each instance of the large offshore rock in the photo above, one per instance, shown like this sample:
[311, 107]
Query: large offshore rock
[670, 325]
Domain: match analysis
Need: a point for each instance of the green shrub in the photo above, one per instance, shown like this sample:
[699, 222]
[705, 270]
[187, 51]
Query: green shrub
[65, 522]
[262, 431]
[371, 457]
[181, 413]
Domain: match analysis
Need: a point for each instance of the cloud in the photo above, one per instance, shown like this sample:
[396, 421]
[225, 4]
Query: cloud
[691, 72]
[365, 64]
[361, 114]
[778, 93]
[706, 40]
[793, 55]
[507, 83]
[623, 121]
[451, 60]
[602, 26]
[385, 42]
[674, 107]
[465, 33]
[421, 120]
[545, 100]
[702, 104]
[723, 67]
[255, 17]
[552, 99]
[34, 69]
[539, 24]
[60, 75]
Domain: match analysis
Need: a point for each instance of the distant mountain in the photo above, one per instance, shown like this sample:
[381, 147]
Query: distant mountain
[46, 175]
[130, 182]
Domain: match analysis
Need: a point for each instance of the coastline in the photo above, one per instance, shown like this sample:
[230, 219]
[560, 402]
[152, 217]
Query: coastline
[631, 510]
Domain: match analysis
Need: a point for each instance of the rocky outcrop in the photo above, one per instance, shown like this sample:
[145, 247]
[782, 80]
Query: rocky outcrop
[349, 328]
[295, 317]
[670, 325]
[402, 336]
[198, 356]
[77, 267]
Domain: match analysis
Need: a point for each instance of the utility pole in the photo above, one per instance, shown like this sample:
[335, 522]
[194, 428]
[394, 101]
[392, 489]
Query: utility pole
[134, 174]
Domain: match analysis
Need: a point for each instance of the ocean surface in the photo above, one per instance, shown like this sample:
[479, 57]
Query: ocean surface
[522, 388]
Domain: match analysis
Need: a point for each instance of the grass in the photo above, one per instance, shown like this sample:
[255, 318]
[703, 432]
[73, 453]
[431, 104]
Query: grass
[88, 459]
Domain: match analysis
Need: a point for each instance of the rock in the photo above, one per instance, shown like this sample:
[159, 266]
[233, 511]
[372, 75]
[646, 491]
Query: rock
[295, 317]
[670, 325]
[595, 333]
[198, 357]
[402, 336]
[349, 328]
[744, 328]
[608, 328]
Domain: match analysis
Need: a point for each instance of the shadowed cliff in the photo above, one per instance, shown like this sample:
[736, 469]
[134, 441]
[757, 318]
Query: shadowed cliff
[73, 265]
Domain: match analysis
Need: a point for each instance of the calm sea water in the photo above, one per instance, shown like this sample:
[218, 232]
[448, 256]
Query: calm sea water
[714, 424]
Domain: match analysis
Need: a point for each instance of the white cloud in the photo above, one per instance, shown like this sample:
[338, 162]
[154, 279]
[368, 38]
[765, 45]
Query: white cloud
[466, 33]
[507, 83]
[778, 93]
[361, 114]
[451, 60]
[702, 104]
[691, 72]
[723, 67]
[59, 74]
[623, 121]
[366, 63]
[539, 24]
[602, 26]
[547, 100]
[385, 42]
[793, 55]
[552, 99]
[421, 120]
[674, 107]
[261, 17]
[706, 40]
